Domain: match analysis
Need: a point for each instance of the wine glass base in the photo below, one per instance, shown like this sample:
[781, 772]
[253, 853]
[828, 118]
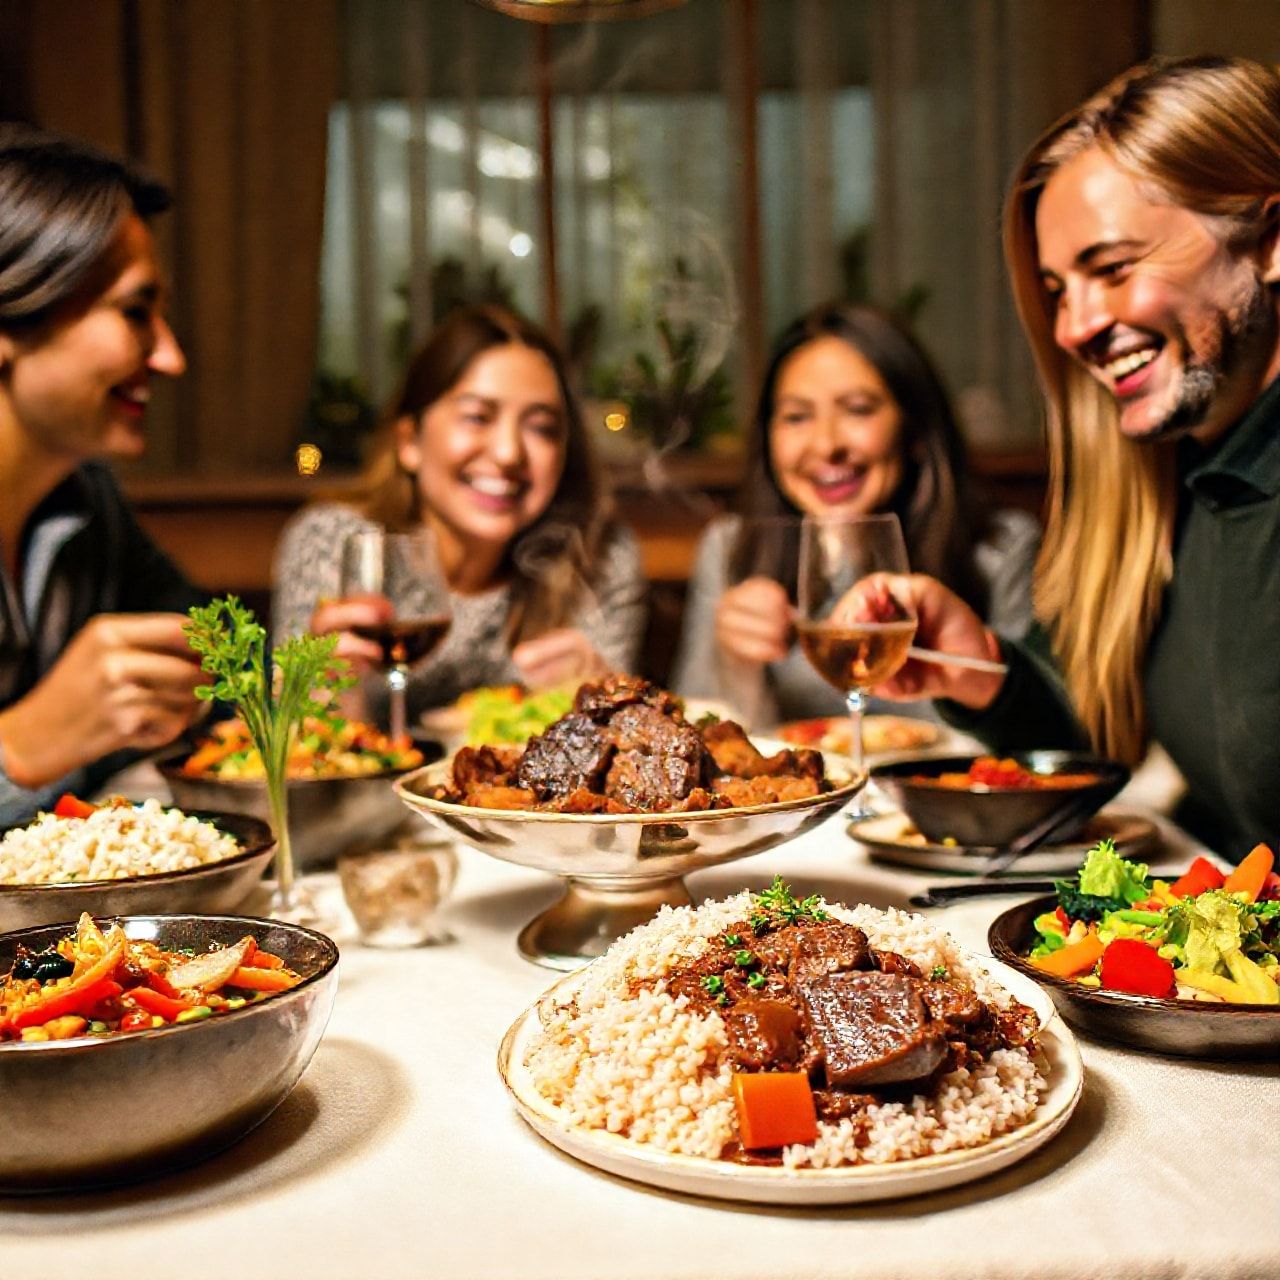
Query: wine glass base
[300, 907]
[591, 916]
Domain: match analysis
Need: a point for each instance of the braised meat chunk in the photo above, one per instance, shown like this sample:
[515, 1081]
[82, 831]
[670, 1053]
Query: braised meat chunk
[658, 760]
[735, 754]
[600, 701]
[764, 1035]
[572, 753]
[484, 767]
[873, 1028]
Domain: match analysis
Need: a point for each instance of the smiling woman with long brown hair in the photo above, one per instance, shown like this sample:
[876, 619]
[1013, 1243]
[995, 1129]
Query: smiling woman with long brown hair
[1143, 239]
[484, 449]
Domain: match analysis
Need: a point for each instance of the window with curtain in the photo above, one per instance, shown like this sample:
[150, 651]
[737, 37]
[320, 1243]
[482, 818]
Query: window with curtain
[435, 194]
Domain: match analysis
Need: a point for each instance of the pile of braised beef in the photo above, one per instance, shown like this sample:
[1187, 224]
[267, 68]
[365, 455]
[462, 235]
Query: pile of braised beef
[627, 748]
[801, 991]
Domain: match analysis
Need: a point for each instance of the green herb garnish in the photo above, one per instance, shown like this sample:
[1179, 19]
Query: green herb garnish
[732, 940]
[744, 959]
[712, 984]
[756, 980]
[777, 906]
[722, 999]
[939, 973]
[272, 697]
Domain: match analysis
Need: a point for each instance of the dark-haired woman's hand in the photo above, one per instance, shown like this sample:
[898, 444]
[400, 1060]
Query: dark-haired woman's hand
[556, 658]
[755, 622]
[945, 623]
[341, 616]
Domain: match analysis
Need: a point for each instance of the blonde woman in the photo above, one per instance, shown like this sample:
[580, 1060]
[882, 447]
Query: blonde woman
[1143, 238]
[486, 450]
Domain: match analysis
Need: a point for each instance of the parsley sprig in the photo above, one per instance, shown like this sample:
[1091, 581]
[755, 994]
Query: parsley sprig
[777, 906]
[272, 697]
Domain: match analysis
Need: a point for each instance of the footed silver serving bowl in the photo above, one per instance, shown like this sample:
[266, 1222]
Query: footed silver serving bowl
[619, 868]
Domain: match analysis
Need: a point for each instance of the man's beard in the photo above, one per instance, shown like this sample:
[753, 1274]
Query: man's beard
[1242, 333]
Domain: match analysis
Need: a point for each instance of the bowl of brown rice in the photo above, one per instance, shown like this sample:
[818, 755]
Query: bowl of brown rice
[617, 1066]
[129, 859]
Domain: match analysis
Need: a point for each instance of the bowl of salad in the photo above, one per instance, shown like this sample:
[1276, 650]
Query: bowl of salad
[133, 1046]
[1188, 967]
[339, 778]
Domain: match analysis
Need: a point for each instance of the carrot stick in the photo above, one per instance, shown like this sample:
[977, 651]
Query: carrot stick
[262, 979]
[1249, 877]
[1073, 959]
[775, 1108]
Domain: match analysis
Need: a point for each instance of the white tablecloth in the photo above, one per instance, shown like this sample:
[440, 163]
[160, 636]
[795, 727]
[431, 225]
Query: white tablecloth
[399, 1154]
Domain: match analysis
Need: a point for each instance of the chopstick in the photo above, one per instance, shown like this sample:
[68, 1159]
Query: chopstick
[957, 660]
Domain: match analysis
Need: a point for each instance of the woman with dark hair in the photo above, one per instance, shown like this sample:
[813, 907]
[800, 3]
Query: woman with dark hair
[852, 419]
[93, 660]
[485, 449]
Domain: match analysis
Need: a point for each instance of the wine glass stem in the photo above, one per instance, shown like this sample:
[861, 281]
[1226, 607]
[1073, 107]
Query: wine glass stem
[855, 699]
[397, 682]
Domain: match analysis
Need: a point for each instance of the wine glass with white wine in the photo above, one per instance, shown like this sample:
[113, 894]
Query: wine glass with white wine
[855, 640]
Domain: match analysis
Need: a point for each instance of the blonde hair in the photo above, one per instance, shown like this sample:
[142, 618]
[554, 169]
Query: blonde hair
[1203, 133]
[553, 562]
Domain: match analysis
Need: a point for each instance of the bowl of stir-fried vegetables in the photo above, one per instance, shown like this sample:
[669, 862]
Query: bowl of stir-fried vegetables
[139, 1045]
[1188, 967]
[339, 776]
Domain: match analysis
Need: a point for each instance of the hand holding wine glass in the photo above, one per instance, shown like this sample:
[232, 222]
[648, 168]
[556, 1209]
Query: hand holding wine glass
[855, 632]
[395, 597]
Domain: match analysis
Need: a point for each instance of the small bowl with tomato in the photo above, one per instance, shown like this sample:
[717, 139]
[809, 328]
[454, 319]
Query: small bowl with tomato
[1125, 968]
[984, 802]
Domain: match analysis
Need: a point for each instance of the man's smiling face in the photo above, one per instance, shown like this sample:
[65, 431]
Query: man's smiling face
[1176, 323]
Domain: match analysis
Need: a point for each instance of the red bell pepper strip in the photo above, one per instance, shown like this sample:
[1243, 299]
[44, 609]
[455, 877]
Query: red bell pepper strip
[1199, 877]
[70, 806]
[81, 993]
[1128, 964]
[155, 1002]
[77, 1001]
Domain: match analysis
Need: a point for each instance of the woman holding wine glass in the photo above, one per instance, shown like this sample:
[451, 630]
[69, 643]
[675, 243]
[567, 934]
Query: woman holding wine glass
[485, 470]
[852, 421]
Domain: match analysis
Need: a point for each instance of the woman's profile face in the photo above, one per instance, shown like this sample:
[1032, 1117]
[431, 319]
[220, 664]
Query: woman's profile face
[835, 438]
[78, 388]
[489, 453]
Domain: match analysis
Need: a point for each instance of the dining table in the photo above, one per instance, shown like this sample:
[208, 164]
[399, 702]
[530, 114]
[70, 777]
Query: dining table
[400, 1153]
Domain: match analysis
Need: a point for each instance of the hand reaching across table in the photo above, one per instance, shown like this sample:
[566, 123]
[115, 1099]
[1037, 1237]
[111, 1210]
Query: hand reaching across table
[124, 680]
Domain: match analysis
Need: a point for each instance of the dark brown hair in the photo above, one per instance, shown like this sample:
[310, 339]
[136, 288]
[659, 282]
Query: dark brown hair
[933, 502]
[61, 205]
[553, 560]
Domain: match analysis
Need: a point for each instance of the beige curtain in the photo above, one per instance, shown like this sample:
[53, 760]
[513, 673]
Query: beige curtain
[960, 91]
[228, 101]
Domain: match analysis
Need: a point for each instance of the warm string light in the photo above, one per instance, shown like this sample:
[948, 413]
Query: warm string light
[308, 458]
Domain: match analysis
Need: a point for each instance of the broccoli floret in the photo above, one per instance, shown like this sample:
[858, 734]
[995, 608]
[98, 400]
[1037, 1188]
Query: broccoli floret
[1084, 906]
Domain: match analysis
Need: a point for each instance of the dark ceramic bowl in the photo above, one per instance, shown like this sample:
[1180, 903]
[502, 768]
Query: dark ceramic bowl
[1184, 1028]
[983, 818]
[215, 887]
[100, 1112]
[326, 815]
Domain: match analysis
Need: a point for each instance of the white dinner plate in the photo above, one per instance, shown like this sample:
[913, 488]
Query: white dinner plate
[693, 1175]
[890, 837]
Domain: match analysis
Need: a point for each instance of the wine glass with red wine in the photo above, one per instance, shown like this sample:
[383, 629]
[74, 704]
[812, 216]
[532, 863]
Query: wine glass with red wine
[855, 639]
[401, 568]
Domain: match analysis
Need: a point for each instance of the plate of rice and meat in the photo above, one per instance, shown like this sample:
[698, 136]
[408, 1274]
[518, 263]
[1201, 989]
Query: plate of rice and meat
[793, 1051]
[622, 797]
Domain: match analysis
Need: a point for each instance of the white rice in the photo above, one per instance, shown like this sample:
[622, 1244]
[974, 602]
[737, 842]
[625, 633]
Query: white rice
[647, 1066]
[111, 843]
